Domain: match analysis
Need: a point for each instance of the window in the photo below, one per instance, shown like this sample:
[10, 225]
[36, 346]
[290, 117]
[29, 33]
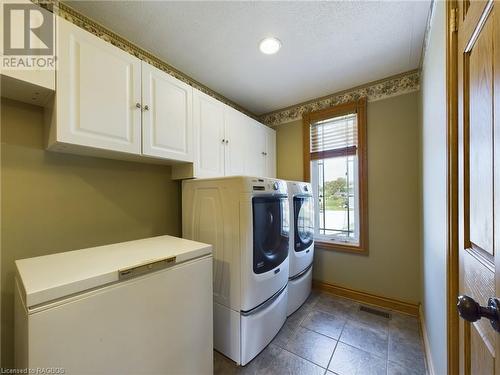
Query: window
[335, 163]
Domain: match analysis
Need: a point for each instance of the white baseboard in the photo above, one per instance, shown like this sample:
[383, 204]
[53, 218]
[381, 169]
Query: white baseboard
[427, 348]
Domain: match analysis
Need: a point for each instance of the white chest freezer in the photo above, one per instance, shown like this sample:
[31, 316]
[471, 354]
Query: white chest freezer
[138, 307]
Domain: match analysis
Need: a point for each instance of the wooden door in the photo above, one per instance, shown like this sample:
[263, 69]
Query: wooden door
[479, 177]
[236, 140]
[98, 92]
[167, 123]
[209, 136]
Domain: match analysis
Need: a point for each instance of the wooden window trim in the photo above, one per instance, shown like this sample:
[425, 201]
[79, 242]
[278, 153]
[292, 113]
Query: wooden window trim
[359, 107]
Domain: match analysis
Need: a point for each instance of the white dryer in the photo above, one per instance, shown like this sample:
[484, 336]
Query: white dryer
[246, 219]
[301, 246]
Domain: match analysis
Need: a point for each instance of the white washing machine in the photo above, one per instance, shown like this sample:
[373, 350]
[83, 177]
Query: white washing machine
[246, 219]
[301, 247]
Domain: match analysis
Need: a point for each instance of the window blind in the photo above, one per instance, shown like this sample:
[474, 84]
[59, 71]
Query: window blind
[337, 136]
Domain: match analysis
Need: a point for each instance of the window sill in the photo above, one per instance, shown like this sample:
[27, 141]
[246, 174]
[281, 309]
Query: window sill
[342, 247]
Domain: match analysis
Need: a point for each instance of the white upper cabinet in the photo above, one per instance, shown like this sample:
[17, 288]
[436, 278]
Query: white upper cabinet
[98, 93]
[236, 129]
[166, 115]
[261, 150]
[209, 136]
[227, 143]
[271, 153]
[111, 104]
[256, 149]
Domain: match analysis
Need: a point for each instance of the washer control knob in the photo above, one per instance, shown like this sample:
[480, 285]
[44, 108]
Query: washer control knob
[276, 186]
[306, 188]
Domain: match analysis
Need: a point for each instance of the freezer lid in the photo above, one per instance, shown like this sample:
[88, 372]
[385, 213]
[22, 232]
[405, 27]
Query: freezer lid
[50, 277]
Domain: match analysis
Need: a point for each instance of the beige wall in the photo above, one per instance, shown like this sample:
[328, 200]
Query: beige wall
[55, 202]
[434, 189]
[392, 267]
[289, 151]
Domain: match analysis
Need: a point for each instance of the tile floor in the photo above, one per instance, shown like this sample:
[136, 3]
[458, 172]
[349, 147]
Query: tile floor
[330, 335]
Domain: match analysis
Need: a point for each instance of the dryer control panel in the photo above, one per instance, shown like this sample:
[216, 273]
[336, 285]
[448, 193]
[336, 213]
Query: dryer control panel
[268, 186]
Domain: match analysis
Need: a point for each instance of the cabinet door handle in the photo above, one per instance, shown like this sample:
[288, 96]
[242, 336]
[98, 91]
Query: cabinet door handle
[227, 141]
[223, 141]
[146, 107]
[138, 105]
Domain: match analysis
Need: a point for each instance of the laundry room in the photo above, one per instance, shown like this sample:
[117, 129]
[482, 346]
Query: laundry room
[206, 187]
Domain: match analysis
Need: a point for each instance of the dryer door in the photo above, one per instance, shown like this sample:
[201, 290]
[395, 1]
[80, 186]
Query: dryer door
[270, 232]
[304, 224]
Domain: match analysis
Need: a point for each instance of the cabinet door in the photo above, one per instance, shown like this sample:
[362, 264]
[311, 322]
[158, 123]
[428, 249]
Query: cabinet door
[209, 136]
[256, 149]
[236, 130]
[166, 115]
[271, 153]
[98, 86]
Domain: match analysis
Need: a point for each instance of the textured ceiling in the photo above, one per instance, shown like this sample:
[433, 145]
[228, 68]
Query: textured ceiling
[327, 46]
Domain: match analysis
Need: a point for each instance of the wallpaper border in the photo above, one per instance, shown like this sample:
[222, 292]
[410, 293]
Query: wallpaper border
[392, 86]
[65, 11]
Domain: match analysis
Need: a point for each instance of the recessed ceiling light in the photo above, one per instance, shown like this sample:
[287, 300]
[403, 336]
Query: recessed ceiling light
[270, 46]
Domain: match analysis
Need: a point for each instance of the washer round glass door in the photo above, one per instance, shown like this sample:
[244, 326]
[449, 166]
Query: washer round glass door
[304, 224]
[270, 232]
